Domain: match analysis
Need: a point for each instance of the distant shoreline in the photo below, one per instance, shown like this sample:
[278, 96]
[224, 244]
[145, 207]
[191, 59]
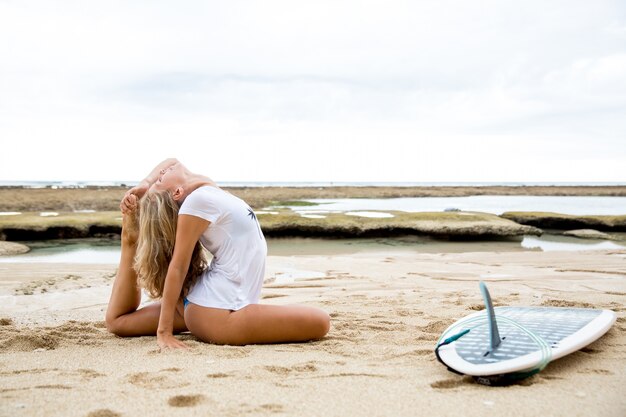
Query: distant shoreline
[108, 198]
[314, 184]
[94, 211]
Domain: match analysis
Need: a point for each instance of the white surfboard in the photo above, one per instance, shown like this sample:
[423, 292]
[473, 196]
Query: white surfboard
[517, 341]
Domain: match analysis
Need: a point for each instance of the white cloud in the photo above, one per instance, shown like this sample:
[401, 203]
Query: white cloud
[333, 90]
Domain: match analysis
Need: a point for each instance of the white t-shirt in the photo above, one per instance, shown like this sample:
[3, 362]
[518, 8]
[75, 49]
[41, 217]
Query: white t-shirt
[234, 237]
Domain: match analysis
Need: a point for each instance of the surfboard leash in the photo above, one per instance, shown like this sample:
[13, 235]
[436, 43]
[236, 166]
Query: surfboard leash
[447, 342]
[500, 379]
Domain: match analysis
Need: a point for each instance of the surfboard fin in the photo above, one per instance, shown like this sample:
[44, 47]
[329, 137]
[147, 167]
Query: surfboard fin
[494, 334]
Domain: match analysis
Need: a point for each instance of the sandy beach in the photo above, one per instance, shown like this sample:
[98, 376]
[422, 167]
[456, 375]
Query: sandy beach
[392, 156]
[388, 308]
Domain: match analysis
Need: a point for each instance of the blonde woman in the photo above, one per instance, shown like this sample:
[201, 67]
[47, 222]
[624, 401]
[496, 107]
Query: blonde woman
[178, 211]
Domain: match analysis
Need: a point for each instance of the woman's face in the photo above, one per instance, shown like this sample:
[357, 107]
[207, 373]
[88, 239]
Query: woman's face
[170, 178]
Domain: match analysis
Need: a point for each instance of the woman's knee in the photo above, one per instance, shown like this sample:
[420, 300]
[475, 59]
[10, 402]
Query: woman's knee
[115, 325]
[319, 323]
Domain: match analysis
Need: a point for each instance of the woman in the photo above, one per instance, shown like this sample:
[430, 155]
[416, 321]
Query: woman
[178, 211]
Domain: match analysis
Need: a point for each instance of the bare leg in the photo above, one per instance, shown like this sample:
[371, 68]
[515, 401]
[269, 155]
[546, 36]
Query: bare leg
[122, 316]
[126, 294]
[257, 323]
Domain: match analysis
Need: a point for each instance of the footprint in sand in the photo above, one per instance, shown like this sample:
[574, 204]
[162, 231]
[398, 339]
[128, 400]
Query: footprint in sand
[436, 327]
[103, 413]
[20, 380]
[218, 375]
[411, 355]
[268, 296]
[596, 371]
[350, 375]
[164, 379]
[232, 352]
[301, 368]
[262, 409]
[45, 386]
[186, 400]
[385, 326]
[272, 408]
[337, 273]
[42, 286]
[404, 312]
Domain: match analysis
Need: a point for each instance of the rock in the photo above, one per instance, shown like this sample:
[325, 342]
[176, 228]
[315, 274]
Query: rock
[587, 234]
[462, 225]
[445, 225]
[568, 221]
[12, 248]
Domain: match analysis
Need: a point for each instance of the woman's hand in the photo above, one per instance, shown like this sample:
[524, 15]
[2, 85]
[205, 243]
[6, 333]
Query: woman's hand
[129, 203]
[167, 340]
[132, 196]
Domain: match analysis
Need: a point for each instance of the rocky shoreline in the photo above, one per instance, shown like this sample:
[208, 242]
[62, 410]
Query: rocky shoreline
[93, 212]
[440, 225]
[567, 222]
[457, 225]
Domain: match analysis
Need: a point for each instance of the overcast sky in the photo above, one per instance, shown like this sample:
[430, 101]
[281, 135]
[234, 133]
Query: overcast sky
[336, 90]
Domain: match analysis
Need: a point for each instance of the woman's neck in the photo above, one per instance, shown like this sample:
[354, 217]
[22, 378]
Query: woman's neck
[196, 181]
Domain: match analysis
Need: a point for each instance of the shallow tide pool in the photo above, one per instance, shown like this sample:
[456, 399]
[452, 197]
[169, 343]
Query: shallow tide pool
[498, 204]
[95, 251]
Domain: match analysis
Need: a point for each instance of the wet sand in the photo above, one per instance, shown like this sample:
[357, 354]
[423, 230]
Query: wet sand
[388, 309]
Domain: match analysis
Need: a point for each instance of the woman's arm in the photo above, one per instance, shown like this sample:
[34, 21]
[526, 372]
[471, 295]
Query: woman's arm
[189, 230]
[145, 184]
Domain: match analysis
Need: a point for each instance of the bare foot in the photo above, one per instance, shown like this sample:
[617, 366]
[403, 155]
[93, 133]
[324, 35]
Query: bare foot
[130, 222]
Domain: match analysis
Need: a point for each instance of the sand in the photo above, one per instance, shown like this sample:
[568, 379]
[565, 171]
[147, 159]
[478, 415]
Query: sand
[387, 308]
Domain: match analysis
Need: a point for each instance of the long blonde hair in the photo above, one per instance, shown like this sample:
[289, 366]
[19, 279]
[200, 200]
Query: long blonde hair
[158, 217]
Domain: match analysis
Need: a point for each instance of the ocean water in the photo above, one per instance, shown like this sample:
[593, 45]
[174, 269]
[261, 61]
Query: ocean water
[497, 204]
[79, 184]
